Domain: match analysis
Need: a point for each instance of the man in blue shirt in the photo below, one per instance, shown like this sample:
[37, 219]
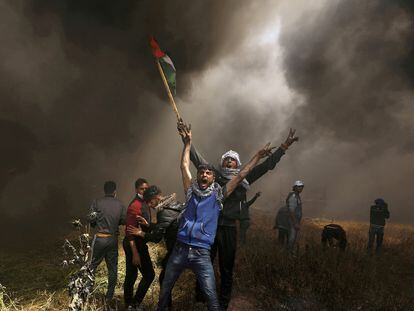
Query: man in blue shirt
[198, 223]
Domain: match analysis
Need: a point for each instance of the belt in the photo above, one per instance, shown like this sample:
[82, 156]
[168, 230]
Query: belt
[103, 235]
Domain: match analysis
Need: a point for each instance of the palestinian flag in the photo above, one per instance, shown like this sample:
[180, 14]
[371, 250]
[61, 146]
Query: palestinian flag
[166, 64]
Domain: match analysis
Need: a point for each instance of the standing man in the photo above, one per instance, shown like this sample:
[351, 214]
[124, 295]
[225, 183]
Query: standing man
[245, 218]
[282, 224]
[226, 238]
[136, 251]
[294, 205]
[198, 223]
[379, 212]
[106, 214]
[166, 228]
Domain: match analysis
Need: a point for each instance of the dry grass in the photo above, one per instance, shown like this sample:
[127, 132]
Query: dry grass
[266, 278]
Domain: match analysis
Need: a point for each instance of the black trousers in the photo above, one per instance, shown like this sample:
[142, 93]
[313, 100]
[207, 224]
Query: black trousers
[225, 244]
[244, 225]
[131, 274]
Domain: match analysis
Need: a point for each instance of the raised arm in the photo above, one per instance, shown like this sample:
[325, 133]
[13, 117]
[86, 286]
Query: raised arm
[195, 155]
[270, 163]
[236, 180]
[185, 133]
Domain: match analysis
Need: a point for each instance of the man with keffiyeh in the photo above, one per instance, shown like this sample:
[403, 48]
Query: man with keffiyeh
[198, 223]
[226, 237]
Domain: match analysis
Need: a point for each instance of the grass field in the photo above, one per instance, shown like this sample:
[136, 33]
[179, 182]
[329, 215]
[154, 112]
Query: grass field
[266, 278]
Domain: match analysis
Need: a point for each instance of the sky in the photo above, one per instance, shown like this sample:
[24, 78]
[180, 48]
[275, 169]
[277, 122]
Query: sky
[82, 101]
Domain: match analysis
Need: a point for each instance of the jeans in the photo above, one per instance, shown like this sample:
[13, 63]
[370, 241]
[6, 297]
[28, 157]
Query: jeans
[162, 273]
[378, 232]
[198, 260]
[292, 236]
[106, 248]
[225, 244]
[131, 274]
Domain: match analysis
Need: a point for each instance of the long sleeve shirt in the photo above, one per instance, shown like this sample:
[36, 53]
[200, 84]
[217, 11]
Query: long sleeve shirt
[238, 197]
[378, 214]
[135, 208]
[107, 214]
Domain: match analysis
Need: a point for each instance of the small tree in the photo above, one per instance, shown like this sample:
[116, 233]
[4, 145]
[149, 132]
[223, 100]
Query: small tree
[81, 282]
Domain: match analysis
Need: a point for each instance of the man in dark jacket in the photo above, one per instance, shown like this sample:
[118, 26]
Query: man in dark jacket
[333, 232]
[226, 237]
[166, 228]
[106, 214]
[245, 218]
[378, 213]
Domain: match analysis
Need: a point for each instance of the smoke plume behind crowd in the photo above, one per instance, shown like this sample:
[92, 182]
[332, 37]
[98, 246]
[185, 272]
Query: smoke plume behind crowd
[82, 101]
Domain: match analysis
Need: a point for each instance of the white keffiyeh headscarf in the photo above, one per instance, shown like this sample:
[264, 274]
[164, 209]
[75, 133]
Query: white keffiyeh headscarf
[229, 173]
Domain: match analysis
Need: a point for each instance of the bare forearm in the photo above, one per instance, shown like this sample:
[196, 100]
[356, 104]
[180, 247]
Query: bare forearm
[249, 166]
[185, 166]
[232, 184]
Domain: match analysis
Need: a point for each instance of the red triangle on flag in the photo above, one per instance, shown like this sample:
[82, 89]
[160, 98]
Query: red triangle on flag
[155, 48]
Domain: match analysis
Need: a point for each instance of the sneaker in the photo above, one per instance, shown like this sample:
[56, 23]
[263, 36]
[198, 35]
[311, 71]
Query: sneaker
[131, 308]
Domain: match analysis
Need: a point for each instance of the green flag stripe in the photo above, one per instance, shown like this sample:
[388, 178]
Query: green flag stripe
[169, 72]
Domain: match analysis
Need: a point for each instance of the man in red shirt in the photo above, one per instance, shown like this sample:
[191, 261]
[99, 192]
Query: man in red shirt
[136, 252]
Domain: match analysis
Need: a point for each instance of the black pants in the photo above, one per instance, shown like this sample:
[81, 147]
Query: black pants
[225, 244]
[244, 225]
[283, 236]
[146, 270]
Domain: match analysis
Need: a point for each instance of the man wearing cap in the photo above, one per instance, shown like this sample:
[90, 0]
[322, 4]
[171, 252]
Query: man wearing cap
[106, 214]
[378, 213]
[226, 238]
[198, 223]
[294, 205]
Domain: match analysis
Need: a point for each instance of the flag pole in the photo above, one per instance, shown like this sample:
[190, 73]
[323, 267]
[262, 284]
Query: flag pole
[167, 88]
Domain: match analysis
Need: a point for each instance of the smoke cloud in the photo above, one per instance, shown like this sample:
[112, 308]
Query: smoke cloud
[82, 101]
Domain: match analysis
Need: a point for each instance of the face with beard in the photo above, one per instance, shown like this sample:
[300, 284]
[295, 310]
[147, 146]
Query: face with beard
[205, 178]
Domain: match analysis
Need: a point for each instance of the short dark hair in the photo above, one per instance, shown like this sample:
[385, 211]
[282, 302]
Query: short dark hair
[139, 182]
[151, 192]
[109, 187]
[206, 167]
